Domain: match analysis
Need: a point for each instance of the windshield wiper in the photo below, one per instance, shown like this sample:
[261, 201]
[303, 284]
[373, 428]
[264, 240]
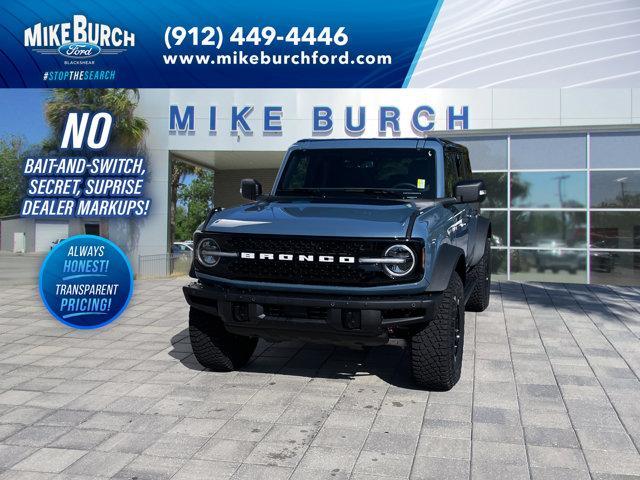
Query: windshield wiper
[301, 191]
[379, 191]
[323, 192]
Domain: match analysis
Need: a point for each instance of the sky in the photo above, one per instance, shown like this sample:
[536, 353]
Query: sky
[22, 113]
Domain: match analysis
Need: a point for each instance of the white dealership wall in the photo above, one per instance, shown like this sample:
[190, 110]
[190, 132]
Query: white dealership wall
[487, 109]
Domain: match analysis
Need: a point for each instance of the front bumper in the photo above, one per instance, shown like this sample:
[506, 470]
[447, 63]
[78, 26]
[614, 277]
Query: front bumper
[341, 320]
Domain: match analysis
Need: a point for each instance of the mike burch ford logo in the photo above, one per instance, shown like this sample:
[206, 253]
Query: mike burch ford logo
[79, 40]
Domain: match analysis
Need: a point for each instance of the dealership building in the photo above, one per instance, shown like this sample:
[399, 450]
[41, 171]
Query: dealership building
[562, 166]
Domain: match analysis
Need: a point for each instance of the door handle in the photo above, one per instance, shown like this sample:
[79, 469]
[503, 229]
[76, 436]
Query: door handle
[455, 226]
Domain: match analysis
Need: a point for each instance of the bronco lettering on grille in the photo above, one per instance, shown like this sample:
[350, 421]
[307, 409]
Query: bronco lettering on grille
[288, 257]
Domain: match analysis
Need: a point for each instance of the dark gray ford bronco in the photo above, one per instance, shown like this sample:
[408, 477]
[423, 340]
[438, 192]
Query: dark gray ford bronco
[358, 241]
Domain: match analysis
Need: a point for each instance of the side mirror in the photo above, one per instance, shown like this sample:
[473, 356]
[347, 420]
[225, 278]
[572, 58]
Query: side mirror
[470, 191]
[250, 189]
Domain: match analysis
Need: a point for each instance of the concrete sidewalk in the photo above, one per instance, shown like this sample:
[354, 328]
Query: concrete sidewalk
[549, 390]
[20, 269]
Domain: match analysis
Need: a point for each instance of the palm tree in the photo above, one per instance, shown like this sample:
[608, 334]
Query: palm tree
[128, 129]
[127, 134]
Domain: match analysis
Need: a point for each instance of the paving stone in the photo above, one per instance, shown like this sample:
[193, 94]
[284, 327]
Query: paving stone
[261, 472]
[322, 474]
[103, 464]
[127, 442]
[24, 415]
[17, 397]
[276, 453]
[8, 430]
[53, 460]
[432, 468]
[542, 473]
[504, 453]
[446, 428]
[78, 439]
[151, 468]
[596, 439]
[537, 418]
[328, 459]
[550, 437]
[356, 419]
[225, 450]
[151, 423]
[205, 470]
[292, 434]
[498, 433]
[383, 464]
[36, 436]
[571, 458]
[615, 463]
[205, 427]
[107, 421]
[496, 415]
[444, 447]
[16, 475]
[344, 438]
[399, 443]
[245, 430]
[178, 446]
[487, 470]
[65, 418]
[12, 454]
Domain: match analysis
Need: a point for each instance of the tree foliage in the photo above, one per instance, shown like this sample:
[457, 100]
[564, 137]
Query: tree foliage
[179, 170]
[11, 179]
[128, 129]
[127, 135]
[196, 199]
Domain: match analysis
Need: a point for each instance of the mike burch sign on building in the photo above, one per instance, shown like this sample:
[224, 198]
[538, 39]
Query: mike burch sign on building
[324, 120]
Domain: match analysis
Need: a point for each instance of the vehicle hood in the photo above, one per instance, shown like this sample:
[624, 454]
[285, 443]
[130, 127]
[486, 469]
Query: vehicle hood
[321, 217]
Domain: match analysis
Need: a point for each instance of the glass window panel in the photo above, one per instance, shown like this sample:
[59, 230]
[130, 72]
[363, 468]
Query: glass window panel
[548, 151]
[620, 189]
[616, 150]
[549, 266]
[615, 268]
[486, 153]
[615, 230]
[496, 184]
[499, 264]
[548, 229]
[498, 227]
[549, 189]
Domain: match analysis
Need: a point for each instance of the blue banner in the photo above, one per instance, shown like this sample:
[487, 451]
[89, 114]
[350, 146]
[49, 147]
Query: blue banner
[211, 44]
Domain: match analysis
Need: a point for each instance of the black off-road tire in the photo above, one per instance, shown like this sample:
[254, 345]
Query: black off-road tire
[436, 350]
[481, 273]
[214, 347]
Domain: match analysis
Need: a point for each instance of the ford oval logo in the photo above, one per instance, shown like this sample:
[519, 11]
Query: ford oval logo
[79, 50]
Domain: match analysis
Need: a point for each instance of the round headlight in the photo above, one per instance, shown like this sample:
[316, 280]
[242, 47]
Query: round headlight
[400, 268]
[208, 252]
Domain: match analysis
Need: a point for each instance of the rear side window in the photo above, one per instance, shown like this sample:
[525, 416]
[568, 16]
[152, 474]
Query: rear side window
[466, 165]
[451, 176]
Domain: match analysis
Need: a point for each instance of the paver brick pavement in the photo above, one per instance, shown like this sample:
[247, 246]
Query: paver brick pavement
[549, 389]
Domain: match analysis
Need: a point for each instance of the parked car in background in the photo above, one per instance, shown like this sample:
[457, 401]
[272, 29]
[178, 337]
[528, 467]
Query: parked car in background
[54, 243]
[181, 247]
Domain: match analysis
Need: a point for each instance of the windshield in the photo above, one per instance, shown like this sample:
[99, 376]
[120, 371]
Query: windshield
[384, 171]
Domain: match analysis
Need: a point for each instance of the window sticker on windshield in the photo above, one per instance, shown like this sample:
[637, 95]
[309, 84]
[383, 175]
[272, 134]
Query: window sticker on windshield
[421, 183]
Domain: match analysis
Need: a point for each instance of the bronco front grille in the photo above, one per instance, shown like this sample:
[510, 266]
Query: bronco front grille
[308, 272]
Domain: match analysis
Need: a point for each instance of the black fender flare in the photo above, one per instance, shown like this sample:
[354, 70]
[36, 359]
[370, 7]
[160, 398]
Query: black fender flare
[448, 259]
[477, 242]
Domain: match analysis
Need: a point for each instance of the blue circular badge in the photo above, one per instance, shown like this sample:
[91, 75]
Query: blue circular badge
[86, 281]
